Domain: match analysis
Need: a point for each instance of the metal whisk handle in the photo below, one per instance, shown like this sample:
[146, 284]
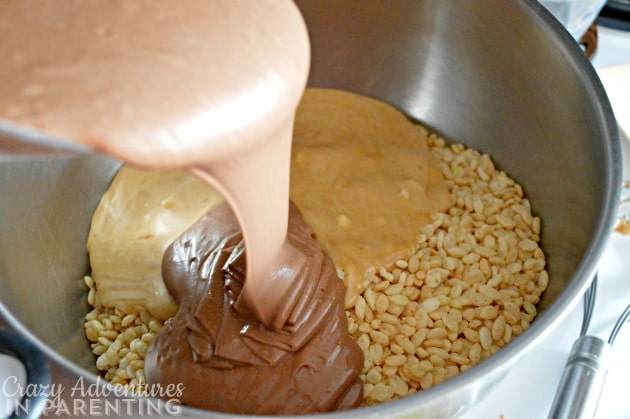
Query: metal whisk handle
[582, 380]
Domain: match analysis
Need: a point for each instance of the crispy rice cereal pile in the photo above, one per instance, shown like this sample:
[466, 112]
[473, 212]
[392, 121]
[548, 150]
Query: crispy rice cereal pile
[469, 287]
[120, 341]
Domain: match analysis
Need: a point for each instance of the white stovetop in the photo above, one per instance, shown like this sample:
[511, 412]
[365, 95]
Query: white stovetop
[529, 388]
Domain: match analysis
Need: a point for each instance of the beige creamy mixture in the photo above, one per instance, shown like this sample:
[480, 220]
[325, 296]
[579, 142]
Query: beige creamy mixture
[126, 251]
[363, 176]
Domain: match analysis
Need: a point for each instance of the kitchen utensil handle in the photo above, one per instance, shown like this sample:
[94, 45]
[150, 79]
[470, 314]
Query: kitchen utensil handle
[582, 380]
[37, 373]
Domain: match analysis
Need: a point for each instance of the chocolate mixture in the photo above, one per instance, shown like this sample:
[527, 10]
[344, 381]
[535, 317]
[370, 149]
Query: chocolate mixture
[230, 362]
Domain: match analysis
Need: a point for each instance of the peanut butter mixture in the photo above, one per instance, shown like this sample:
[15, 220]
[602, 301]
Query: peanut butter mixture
[126, 251]
[364, 178]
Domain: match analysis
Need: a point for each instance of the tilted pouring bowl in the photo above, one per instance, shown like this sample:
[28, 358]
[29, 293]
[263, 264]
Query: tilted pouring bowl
[500, 76]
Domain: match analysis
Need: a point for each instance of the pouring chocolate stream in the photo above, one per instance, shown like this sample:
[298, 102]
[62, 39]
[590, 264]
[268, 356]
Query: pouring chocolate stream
[211, 86]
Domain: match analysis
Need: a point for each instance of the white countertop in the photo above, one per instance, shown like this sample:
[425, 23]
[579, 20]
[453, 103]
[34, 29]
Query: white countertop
[529, 388]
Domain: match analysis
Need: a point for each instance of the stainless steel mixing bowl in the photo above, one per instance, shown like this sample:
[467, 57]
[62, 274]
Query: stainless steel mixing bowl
[500, 76]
